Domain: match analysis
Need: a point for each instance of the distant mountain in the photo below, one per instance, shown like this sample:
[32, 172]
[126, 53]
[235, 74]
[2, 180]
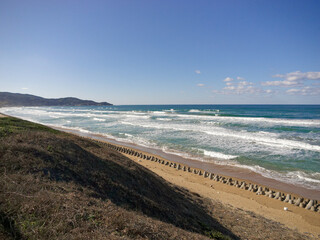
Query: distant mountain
[17, 99]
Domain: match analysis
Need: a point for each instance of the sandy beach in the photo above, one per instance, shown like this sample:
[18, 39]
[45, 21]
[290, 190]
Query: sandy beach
[296, 218]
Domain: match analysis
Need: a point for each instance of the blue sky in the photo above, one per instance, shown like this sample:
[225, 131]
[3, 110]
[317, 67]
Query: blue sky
[163, 52]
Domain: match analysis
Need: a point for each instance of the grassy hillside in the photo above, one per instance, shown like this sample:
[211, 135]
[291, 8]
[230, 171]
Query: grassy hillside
[59, 186]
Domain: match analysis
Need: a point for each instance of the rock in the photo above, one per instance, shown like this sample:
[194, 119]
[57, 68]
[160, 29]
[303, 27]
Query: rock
[243, 185]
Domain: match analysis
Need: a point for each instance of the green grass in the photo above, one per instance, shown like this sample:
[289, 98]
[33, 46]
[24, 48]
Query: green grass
[9, 125]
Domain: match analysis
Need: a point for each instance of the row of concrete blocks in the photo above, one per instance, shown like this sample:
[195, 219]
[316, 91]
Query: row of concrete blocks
[309, 204]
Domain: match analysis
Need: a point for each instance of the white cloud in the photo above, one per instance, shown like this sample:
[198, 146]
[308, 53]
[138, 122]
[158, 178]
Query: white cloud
[307, 90]
[197, 71]
[228, 79]
[200, 85]
[284, 83]
[242, 87]
[292, 79]
[240, 78]
[245, 83]
[268, 91]
[229, 88]
[24, 88]
[296, 76]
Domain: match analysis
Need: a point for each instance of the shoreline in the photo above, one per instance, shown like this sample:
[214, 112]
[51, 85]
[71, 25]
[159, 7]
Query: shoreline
[295, 217]
[238, 173]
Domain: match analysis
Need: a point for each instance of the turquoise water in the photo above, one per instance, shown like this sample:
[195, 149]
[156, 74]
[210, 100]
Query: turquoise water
[277, 141]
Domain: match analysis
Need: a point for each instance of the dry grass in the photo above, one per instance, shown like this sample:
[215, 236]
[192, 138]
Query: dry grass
[58, 186]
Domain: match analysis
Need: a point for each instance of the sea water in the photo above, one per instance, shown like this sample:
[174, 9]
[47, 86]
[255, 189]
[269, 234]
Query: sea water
[278, 141]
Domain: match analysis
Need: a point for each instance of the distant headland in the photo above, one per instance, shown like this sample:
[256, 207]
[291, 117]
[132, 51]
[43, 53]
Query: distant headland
[8, 99]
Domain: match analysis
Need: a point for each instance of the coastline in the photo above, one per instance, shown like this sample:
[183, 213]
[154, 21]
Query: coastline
[236, 199]
[296, 218]
[242, 174]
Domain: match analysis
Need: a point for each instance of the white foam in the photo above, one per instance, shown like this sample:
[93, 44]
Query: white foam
[217, 154]
[254, 120]
[164, 119]
[254, 138]
[99, 119]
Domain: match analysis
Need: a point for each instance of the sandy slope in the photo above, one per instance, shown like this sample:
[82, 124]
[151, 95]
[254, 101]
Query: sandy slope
[295, 218]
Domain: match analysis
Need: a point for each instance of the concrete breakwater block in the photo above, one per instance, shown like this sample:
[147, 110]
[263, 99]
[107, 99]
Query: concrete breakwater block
[236, 183]
[297, 202]
[310, 204]
[260, 191]
[288, 198]
[277, 195]
[243, 185]
[270, 194]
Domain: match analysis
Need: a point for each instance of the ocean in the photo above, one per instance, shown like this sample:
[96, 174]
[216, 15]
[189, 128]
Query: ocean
[281, 142]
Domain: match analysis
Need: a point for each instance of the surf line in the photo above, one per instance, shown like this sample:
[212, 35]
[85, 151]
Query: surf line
[305, 203]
